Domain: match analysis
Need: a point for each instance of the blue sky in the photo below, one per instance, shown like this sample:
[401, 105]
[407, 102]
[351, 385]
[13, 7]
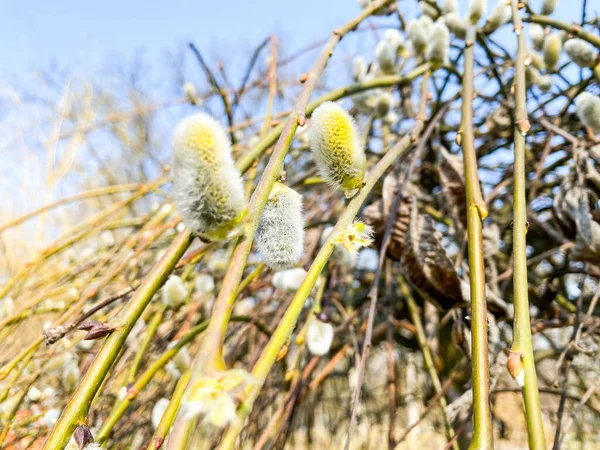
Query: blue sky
[86, 35]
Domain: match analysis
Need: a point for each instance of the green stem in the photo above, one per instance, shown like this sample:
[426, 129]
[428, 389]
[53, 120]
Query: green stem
[169, 416]
[77, 408]
[288, 322]
[150, 331]
[415, 316]
[476, 212]
[522, 345]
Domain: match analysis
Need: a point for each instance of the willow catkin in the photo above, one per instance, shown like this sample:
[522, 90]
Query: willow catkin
[536, 34]
[548, 7]
[588, 110]
[417, 35]
[450, 6]
[500, 15]
[337, 147]
[280, 233]
[395, 39]
[208, 187]
[456, 25]
[477, 9]
[581, 52]
[439, 43]
[319, 336]
[552, 48]
[386, 57]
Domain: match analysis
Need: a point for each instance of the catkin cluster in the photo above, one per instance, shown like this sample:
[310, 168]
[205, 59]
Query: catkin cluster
[336, 145]
[208, 187]
[280, 233]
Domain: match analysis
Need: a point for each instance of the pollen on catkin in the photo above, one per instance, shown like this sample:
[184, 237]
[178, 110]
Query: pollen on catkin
[355, 236]
[548, 7]
[552, 48]
[417, 35]
[581, 52]
[588, 110]
[439, 43]
[500, 15]
[336, 145]
[477, 9]
[280, 233]
[208, 188]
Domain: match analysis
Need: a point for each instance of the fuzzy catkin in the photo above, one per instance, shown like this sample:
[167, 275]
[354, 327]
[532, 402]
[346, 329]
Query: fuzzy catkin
[386, 57]
[395, 39]
[337, 147]
[439, 43]
[450, 6]
[500, 15]
[552, 48]
[359, 68]
[417, 35]
[477, 9]
[428, 10]
[548, 7]
[456, 25]
[208, 187]
[536, 34]
[280, 233]
[588, 110]
[581, 52]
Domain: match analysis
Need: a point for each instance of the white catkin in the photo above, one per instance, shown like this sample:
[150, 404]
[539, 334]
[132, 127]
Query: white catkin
[545, 82]
[456, 25]
[336, 145]
[395, 39]
[535, 59]
[439, 42]
[359, 68]
[208, 188]
[477, 9]
[386, 57]
[417, 35]
[500, 15]
[289, 280]
[588, 110]
[319, 336]
[428, 10]
[280, 233]
[385, 103]
[158, 411]
[581, 52]
[552, 49]
[548, 7]
[450, 6]
[536, 34]
[426, 22]
[174, 292]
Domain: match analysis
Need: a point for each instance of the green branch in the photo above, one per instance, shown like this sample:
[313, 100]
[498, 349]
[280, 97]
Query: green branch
[522, 350]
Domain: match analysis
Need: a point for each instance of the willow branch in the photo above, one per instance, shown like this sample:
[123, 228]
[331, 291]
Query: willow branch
[476, 212]
[522, 346]
[287, 323]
